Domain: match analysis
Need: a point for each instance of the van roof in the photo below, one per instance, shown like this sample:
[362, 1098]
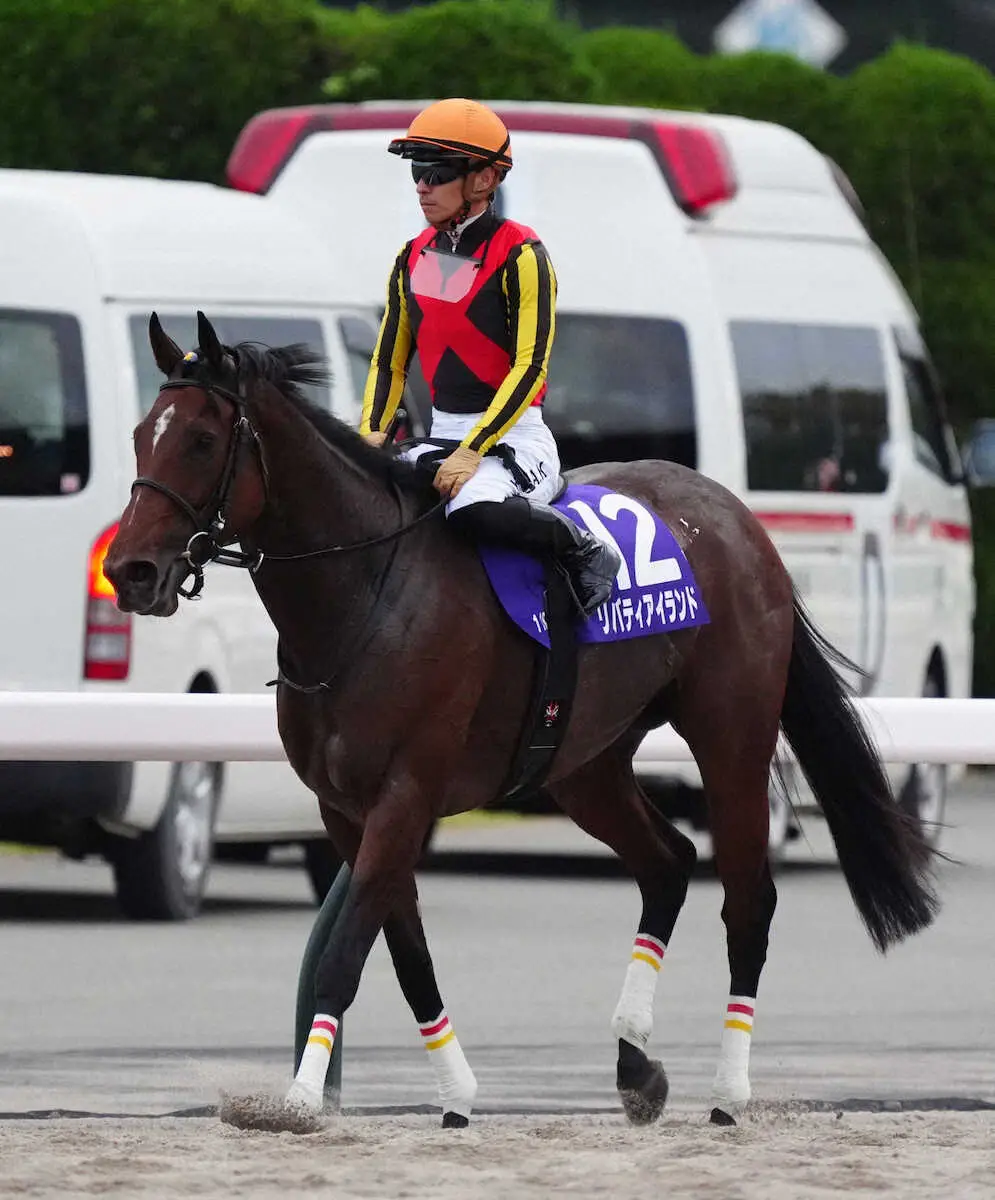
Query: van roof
[780, 179]
[154, 239]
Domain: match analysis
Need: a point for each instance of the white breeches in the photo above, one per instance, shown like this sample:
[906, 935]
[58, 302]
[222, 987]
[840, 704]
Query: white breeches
[535, 452]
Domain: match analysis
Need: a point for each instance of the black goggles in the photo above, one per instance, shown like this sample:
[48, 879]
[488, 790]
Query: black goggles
[436, 173]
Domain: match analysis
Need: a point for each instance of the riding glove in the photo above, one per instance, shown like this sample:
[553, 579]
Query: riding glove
[455, 470]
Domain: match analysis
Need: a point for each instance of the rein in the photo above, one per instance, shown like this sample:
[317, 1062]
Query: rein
[210, 521]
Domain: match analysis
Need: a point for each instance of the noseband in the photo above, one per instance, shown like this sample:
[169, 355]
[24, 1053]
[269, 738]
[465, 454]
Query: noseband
[210, 521]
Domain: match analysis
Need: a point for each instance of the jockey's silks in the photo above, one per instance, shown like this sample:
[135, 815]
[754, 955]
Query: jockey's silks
[481, 319]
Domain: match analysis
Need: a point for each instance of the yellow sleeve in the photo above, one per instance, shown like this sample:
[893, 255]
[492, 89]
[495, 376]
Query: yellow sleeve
[389, 365]
[529, 284]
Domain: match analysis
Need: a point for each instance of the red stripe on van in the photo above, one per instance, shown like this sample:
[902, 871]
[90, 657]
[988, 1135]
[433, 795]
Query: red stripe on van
[950, 531]
[806, 522]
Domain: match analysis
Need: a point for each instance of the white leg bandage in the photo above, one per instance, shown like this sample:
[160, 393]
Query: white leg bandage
[457, 1084]
[633, 1018]
[308, 1087]
[731, 1090]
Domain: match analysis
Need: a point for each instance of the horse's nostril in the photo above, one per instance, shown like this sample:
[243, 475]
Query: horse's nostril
[140, 574]
[133, 577]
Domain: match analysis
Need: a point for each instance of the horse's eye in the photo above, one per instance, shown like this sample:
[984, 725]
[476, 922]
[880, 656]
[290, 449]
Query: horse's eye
[203, 442]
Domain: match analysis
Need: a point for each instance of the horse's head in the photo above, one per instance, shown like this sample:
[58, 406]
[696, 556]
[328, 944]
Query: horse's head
[199, 482]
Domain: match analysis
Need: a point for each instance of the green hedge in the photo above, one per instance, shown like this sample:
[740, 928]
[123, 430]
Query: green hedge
[776, 87]
[150, 87]
[922, 154]
[506, 49]
[643, 67]
[162, 87]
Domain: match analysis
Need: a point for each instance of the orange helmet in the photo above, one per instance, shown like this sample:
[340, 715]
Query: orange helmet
[457, 129]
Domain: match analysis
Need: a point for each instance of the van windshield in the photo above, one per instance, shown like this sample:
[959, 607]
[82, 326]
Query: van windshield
[620, 389]
[231, 329]
[44, 436]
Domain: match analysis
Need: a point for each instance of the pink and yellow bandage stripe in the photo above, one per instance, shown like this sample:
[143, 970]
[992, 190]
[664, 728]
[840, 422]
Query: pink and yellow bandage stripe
[437, 1033]
[323, 1031]
[649, 950]
[739, 1014]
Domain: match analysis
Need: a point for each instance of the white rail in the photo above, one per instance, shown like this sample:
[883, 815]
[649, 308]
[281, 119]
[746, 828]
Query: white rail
[78, 726]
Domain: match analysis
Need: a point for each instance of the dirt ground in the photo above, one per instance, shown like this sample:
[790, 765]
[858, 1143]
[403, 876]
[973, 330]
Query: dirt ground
[777, 1153]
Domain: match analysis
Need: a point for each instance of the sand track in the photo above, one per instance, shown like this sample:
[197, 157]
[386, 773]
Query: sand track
[778, 1153]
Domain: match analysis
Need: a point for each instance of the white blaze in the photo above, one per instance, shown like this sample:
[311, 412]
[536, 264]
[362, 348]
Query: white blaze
[161, 425]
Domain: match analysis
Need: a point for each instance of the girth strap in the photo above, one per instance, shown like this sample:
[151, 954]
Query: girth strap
[554, 682]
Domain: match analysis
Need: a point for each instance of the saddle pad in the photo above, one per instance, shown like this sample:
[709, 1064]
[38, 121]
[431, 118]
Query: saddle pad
[654, 591]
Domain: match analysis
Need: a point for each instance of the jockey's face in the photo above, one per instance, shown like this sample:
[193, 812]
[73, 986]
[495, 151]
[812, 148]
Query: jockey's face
[442, 202]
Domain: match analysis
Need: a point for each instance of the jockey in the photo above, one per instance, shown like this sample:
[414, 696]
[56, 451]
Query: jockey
[476, 296]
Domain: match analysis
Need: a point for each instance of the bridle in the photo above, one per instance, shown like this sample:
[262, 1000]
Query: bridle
[207, 544]
[210, 520]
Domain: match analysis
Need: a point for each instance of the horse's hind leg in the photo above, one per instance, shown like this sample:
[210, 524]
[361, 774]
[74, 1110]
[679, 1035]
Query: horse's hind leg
[733, 742]
[604, 799]
[408, 948]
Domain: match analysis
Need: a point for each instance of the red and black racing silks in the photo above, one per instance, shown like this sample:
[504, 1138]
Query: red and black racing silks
[482, 321]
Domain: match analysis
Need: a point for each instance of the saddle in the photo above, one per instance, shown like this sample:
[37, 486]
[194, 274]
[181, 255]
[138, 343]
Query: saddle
[554, 670]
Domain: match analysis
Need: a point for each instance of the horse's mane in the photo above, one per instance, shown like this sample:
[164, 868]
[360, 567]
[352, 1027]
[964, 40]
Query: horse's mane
[292, 368]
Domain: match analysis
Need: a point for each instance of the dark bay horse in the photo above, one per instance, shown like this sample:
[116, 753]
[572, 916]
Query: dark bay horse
[405, 689]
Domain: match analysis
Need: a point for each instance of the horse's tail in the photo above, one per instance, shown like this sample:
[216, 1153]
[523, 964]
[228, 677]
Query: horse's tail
[884, 857]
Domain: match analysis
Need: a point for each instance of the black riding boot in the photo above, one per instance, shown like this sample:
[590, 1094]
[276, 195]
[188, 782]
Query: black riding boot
[589, 565]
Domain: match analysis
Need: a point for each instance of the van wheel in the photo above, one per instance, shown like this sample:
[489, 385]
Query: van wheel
[924, 795]
[161, 876]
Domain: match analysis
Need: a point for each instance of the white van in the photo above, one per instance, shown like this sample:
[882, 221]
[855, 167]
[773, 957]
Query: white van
[83, 261]
[722, 305]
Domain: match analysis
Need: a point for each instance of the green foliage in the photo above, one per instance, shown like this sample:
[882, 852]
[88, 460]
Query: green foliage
[492, 49]
[643, 67]
[778, 88]
[957, 307]
[150, 87]
[923, 154]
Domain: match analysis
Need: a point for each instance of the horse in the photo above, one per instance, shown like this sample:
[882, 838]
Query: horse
[403, 688]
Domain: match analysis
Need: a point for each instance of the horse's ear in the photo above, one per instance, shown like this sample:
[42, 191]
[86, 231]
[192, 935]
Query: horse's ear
[209, 343]
[166, 352]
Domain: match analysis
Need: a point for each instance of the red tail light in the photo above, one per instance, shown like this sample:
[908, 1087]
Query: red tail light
[107, 647]
[264, 145]
[696, 163]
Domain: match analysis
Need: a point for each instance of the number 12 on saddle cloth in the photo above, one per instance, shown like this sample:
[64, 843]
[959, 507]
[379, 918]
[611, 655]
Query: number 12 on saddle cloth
[654, 591]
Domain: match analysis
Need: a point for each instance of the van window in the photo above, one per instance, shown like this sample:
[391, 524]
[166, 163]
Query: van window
[933, 443]
[44, 432]
[359, 337]
[620, 389]
[815, 406]
[270, 331]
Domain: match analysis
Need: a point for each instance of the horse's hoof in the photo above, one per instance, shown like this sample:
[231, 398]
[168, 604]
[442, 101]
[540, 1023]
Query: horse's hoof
[719, 1117]
[642, 1085]
[454, 1120]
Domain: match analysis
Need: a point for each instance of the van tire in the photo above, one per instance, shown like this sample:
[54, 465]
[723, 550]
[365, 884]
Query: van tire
[924, 793]
[162, 875]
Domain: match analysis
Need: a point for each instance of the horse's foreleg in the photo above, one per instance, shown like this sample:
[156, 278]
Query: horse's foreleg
[408, 948]
[393, 834]
[604, 799]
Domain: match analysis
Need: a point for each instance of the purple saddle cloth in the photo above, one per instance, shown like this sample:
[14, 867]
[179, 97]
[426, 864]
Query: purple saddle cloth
[654, 591]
